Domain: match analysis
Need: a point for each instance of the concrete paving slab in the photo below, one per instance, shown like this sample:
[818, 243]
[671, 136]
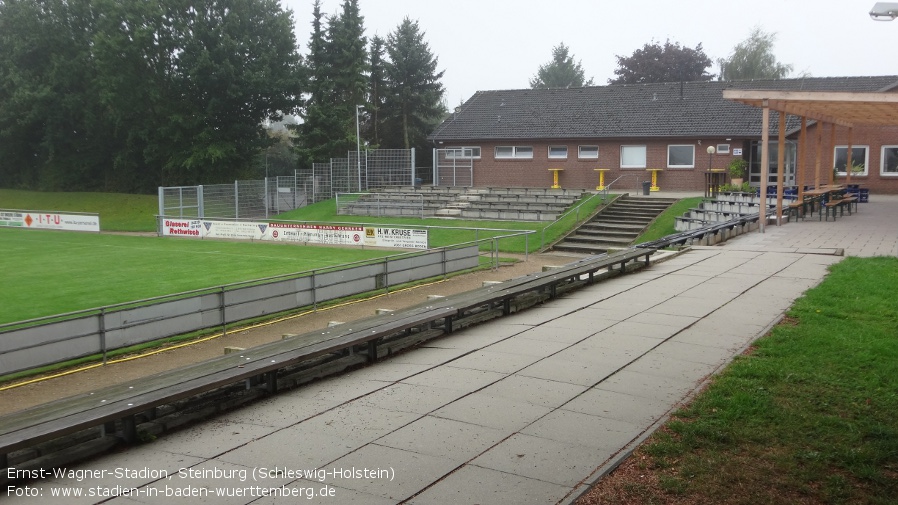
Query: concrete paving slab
[303, 403]
[427, 355]
[445, 438]
[542, 392]
[461, 379]
[386, 371]
[720, 333]
[491, 361]
[492, 411]
[355, 422]
[642, 330]
[473, 485]
[675, 321]
[540, 314]
[663, 365]
[570, 328]
[580, 373]
[605, 435]
[308, 448]
[528, 347]
[614, 312]
[618, 406]
[211, 438]
[631, 344]
[682, 306]
[695, 353]
[411, 398]
[541, 458]
[392, 473]
[647, 386]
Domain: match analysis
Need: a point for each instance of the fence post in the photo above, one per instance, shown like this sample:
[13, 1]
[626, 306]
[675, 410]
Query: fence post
[314, 293]
[267, 201]
[224, 319]
[387, 275]
[526, 247]
[236, 201]
[200, 202]
[103, 332]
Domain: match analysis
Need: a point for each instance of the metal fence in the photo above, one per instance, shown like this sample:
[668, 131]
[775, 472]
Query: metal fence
[240, 200]
[374, 169]
[454, 166]
[38, 342]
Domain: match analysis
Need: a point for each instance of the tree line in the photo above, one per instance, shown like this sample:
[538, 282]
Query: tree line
[129, 95]
[752, 58]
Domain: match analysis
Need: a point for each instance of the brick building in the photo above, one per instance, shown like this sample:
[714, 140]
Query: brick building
[514, 137]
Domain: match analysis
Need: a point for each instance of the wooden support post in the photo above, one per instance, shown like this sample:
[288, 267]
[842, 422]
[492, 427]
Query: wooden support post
[271, 381]
[372, 350]
[781, 167]
[129, 429]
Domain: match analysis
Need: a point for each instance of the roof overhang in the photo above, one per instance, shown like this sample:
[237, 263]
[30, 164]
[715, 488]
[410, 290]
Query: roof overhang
[842, 108]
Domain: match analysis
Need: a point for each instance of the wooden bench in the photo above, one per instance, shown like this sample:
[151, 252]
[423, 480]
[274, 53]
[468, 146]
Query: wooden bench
[839, 204]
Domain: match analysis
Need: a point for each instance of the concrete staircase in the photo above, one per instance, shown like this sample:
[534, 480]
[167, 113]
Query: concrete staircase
[615, 227]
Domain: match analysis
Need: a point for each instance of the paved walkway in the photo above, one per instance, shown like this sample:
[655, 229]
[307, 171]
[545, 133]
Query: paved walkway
[526, 409]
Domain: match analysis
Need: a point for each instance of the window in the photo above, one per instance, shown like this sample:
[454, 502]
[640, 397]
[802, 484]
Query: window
[588, 152]
[681, 156]
[558, 152]
[723, 149]
[889, 160]
[632, 156]
[507, 152]
[462, 152]
[858, 159]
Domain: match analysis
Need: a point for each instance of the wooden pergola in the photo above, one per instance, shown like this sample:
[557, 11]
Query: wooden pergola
[847, 109]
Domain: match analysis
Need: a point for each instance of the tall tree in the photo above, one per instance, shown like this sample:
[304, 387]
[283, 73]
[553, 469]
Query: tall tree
[753, 58]
[413, 104]
[561, 72]
[662, 63]
[338, 65]
[377, 87]
[129, 95]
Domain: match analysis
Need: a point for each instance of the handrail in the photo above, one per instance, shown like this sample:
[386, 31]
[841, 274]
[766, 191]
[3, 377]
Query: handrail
[608, 186]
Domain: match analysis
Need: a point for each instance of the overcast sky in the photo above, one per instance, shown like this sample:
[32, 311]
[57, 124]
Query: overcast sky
[500, 44]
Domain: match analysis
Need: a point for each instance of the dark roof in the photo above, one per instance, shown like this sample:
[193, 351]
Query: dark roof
[629, 110]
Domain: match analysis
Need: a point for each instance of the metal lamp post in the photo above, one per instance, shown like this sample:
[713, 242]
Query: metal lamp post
[358, 147]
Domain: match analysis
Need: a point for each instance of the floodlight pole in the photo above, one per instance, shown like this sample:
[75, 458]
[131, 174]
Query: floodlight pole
[358, 147]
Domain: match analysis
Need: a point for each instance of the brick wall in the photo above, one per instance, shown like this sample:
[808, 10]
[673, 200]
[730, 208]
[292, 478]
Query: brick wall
[580, 173]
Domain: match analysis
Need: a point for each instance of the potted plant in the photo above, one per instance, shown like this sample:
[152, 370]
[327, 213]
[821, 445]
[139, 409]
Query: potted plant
[736, 168]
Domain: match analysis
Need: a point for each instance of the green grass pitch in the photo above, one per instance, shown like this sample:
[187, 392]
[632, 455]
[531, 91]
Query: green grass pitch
[44, 273]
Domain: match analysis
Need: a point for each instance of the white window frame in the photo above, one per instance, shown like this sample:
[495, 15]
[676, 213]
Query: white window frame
[690, 146]
[882, 162]
[557, 156]
[467, 152]
[723, 149]
[589, 155]
[853, 149]
[517, 152]
[644, 156]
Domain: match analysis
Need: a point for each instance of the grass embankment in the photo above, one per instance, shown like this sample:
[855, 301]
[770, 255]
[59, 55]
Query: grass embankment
[664, 224]
[806, 416]
[118, 211]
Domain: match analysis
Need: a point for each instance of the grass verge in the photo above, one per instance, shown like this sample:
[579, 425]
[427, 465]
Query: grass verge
[807, 416]
[664, 224]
